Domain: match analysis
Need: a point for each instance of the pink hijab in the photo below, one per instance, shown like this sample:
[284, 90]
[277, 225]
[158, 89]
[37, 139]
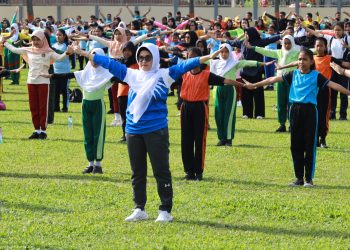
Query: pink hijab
[44, 48]
[116, 47]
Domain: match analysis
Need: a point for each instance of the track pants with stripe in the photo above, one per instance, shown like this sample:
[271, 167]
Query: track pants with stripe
[282, 102]
[324, 109]
[94, 126]
[194, 127]
[303, 126]
[225, 112]
[38, 104]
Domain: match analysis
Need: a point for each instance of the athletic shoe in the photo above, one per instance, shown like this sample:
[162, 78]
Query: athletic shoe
[199, 177]
[42, 136]
[137, 215]
[64, 110]
[190, 176]
[297, 183]
[342, 118]
[97, 170]
[88, 170]
[332, 116]
[281, 129]
[221, 143]
[245, 117]
[164, 216]
[239, 104]
[259, 117]
[114, 123]
[110, 112]
[122, 139]
[269, 87]
[228, 143]
[35, 135]
[309, 184]
[323, 143]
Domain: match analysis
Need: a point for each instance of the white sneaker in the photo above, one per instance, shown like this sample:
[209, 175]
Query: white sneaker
[164, 216]
[113, 123]
[259, 117]
[118, 119]
[137, 215]
[245, 117]
[239, 104]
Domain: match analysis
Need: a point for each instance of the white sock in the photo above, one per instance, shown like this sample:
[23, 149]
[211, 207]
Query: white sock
[116, 116]
[91, 163]
[98, 164]
[37, 131]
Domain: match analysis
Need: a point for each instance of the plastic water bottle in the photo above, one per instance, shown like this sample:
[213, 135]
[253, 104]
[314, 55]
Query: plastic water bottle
[70, 123]
[0, 135]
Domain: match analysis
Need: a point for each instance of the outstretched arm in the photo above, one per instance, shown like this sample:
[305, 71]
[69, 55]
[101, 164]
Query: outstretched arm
[289, 65]
[338, 87]
[148, 11]
[340, 70]
[265, 82]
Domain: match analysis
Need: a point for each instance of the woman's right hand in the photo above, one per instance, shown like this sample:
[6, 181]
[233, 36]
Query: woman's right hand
[46, 75]
[247, 44]
[248, 85]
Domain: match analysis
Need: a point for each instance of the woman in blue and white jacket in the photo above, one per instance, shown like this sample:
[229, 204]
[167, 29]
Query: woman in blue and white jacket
[147, 123]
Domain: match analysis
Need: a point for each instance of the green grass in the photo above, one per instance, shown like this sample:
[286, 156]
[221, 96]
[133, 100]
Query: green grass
[243, 202]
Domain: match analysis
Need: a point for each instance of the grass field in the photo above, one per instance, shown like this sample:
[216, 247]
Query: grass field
[243, 202]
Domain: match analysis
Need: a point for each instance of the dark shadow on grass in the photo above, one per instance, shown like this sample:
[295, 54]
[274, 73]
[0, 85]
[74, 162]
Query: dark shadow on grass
[64, 177]
[32, 207]
[300, 232]
[260, 184]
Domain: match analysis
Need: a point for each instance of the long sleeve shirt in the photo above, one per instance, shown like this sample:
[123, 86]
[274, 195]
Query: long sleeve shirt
[39, 64]
[155, 117]
[273, 53]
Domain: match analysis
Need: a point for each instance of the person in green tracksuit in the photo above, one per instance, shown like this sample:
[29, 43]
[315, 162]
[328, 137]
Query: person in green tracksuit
[289, 53]
[93, 80]
[225, 100]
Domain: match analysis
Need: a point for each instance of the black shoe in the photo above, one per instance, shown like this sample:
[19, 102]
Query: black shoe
[57, 110]
[171, 93]
[97, 170]
[199, 177]
[190, 176]
[332, 116]
[64, 110]
[88, 170]
[221, 143]
[323, 143]
[122, 139]
[35, 135]
[318, 143]
[42, 136]
[281, 129]
[228, 143]
[110, 112]
[50, 122]
[342, 118]
[297, 183]
[270, 87]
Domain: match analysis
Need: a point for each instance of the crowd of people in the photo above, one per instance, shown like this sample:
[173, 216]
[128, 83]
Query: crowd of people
[140, 63]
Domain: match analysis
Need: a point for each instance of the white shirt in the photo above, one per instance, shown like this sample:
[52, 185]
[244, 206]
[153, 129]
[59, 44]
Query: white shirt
[337, 49]
[39, 64]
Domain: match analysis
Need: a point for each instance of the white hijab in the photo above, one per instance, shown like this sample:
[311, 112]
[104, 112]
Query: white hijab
[222, 66]
[145, 83]
[16, 35]
[91, 79]
[285, 53]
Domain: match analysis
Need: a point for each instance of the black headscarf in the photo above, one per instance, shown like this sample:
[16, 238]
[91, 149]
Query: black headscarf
[193, 39]
[132, 59]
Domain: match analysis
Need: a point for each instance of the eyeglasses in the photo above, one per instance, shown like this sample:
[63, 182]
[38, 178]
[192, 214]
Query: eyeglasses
[147, 58]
